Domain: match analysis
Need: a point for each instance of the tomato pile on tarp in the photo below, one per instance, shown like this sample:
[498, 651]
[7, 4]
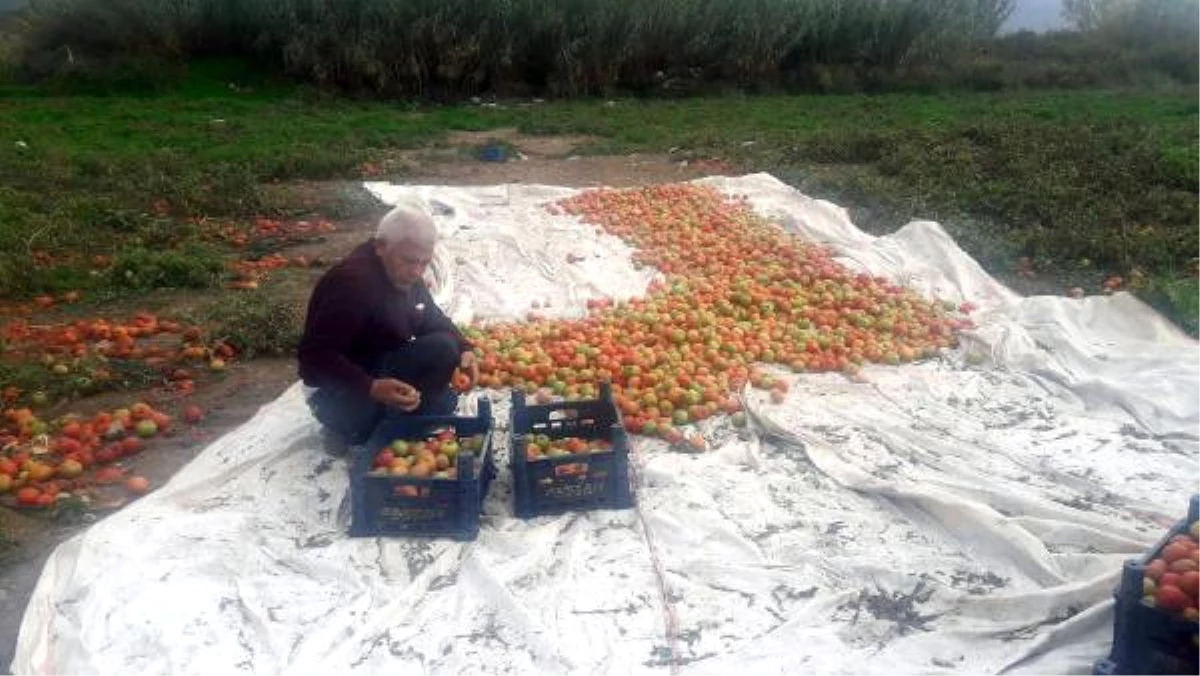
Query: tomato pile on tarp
[737, 291]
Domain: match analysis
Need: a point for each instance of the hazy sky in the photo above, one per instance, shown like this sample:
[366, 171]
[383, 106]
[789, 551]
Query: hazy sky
[1036, 15]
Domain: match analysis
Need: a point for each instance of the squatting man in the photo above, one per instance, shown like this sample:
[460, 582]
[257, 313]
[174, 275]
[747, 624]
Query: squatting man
[375, 344]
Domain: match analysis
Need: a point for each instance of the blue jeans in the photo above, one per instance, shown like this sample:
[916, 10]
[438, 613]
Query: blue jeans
[426, 363]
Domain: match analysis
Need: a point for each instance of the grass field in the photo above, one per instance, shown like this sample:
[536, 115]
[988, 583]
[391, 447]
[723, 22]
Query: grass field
[1084, 184]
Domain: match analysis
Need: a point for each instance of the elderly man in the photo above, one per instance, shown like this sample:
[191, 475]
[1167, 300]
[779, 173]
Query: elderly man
[374, 341]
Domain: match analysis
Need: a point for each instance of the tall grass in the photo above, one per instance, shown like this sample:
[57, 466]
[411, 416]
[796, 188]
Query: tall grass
[8, 60]
[11, 46]
[565, 47]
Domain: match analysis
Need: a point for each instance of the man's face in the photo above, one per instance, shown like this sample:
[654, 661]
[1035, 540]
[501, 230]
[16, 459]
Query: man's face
[405, 260]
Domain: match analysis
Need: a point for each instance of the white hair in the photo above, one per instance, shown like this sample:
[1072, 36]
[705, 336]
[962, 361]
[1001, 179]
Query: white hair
[408, 220]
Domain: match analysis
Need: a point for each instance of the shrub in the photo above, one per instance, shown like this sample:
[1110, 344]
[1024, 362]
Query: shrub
[192, 266]
[443, 48]
[257, 323]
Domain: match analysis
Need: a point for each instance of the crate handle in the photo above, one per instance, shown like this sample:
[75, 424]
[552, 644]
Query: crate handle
[411, 491]
[571, 469]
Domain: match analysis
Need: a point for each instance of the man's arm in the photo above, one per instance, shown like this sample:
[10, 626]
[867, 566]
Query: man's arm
[335, 315]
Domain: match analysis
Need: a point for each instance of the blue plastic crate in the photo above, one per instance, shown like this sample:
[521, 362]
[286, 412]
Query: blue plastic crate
[1148, 640]
[408, 506]
[595, 480]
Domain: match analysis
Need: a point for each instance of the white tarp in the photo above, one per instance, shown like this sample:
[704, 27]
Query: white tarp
[939, 518]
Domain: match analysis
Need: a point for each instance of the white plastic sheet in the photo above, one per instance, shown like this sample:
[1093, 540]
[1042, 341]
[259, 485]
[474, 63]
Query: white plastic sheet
[939, 518]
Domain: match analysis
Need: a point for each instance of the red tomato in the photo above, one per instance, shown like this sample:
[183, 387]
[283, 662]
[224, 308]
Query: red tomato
[1182, 565]
[461, 381]
[1174, 551]
[131, 445]
[137, 485]
[384, 458]
[1171, 598]
[1188, 583]
[72, 430]
[28, 496]
[1155, 569]
[108, 475]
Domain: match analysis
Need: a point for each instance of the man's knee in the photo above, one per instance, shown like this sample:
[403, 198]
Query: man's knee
[426, 363]
[350, 418]
[439, 348]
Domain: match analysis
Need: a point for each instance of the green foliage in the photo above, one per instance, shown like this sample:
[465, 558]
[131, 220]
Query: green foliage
[448, 49]
[256, 323]
[1177, 298]
[83, 379]
[191, 267]
[20, 278]
[454, 47]
[10, 58]
[87, 176]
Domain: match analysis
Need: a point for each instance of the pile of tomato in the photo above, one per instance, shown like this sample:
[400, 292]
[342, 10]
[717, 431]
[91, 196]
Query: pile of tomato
[248, 273]
[241, 235]
[43, 461]
[736, 291]
[85, 348]
[1171, 580]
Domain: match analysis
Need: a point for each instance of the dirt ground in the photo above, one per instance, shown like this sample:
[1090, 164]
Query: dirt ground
[27, 540]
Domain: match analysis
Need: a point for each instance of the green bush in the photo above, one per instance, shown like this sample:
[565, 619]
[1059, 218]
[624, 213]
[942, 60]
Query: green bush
[192, 267]
[1082, 198]
[20, 278]
[454, 47]
[1178, 299]
[9, 58]
[258, 323]
[38, 386]
[446, 49]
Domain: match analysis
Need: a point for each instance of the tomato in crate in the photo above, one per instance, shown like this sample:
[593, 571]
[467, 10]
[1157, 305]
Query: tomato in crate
[568, 456]
[423, 476]
[1154, 626]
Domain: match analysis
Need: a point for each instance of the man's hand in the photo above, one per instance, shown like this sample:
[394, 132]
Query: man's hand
[470, 364]
[396, 393]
